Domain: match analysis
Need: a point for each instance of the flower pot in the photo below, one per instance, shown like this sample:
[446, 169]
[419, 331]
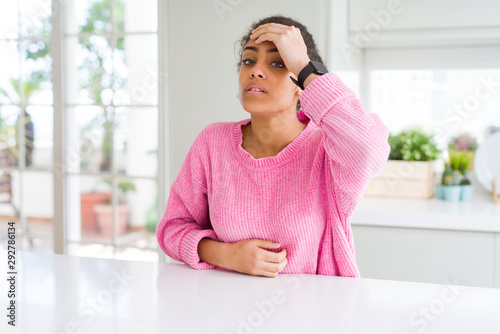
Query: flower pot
[87, 215]
[439, 191]
[466, 193]
[403, 179]
[452, 193]
[105, 219]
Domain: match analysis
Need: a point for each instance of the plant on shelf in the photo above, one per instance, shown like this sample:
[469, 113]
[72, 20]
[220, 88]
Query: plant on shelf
[104, 210]
[448, 176]
[455, 185]
[409, 173]
[463, 142]
[466, 144]
[413, 145]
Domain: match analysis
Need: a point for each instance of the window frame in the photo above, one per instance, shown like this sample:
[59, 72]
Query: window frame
[60, 172]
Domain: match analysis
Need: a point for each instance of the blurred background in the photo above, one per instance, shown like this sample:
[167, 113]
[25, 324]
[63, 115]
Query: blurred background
[100, 101]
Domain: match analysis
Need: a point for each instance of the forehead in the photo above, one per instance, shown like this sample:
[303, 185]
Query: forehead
[266, 45]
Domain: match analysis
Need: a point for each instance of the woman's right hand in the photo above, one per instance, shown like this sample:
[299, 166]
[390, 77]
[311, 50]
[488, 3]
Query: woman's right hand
[252, 257]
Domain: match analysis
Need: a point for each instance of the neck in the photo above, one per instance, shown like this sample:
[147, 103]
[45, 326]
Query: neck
[271, 134]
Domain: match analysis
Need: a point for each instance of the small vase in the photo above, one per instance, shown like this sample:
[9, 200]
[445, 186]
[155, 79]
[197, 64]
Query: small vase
[466, 193]
[451, 193]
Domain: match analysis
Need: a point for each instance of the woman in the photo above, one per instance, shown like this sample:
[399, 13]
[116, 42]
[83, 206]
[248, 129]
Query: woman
[275, 193]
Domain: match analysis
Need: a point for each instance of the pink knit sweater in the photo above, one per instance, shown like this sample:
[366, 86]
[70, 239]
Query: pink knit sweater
[302, 198]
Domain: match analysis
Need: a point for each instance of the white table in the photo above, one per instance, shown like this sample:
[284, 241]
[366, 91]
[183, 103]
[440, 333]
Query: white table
[65, 294]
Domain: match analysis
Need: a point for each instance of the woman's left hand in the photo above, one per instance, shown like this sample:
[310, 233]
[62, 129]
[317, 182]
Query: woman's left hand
[288, 41]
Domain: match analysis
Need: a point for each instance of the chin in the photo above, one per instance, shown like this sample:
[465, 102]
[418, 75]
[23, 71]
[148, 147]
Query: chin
[256, 108]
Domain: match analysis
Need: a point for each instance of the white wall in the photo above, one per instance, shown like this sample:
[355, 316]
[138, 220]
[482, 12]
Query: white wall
[203, 81]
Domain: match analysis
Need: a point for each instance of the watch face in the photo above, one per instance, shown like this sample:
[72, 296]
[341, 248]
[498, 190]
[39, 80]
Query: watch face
[318, 67]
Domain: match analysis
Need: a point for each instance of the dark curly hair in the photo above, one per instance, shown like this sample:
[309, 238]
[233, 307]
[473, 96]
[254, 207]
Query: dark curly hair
[312, 50]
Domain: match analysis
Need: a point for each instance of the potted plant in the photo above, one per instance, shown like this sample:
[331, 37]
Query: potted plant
[466, 144]
[104, 211]
[87, 214]
[409, 172]
[455, 185]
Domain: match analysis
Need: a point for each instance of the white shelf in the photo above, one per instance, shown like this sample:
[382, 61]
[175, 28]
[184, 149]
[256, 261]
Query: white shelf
[480, 214]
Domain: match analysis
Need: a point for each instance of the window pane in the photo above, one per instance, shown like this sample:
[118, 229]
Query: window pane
[36, 86]
[136, 16]
[92, 16]
[136, 70]
[37, 192]
[136, 141]
[444, 102]
[91, 211]
[89, 139]
[39, 136]
[8, 21]
[85, 195]
[9, 75]
[90, 73]
[140, 196]
[35, 18]
[9, 153]
[352, 79]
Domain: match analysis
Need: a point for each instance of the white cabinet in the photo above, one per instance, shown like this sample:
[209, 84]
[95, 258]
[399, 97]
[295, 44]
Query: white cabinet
[430, 241]
[424, 14]
[427, 255]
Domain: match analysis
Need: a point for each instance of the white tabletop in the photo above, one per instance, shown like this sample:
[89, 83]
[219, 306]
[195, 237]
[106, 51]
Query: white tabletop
[65, 294]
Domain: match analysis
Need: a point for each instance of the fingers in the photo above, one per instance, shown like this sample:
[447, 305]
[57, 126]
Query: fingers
[270, 32]
[275, 257]
[271, 37]
[267, 263]
[267, 244]
[275, 27]
[260, 31]
[273, 269]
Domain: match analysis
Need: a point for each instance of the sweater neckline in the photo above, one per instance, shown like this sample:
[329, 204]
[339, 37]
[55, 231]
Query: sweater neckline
[276, 160]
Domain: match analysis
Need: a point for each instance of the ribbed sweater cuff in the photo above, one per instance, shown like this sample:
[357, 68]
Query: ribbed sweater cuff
[189, 248]
[321, 94]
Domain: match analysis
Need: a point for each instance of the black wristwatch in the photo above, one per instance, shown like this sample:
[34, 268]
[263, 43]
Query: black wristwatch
[313, 67]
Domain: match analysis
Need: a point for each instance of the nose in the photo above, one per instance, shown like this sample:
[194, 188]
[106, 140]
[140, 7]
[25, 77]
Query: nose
[257, 71]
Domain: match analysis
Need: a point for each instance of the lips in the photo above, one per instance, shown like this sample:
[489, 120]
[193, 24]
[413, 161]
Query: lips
[256, 88]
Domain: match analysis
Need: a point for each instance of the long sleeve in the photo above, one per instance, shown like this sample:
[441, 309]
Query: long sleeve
[356, 142]
[186, 219]
[356, 148]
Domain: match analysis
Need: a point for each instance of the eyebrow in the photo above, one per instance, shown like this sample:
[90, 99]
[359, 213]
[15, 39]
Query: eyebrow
[253, 48]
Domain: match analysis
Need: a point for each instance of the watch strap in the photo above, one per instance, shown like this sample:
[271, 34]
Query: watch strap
[311, 67]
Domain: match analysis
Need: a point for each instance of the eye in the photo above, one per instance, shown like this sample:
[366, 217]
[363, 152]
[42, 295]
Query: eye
[247, 61]
[278, 64]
